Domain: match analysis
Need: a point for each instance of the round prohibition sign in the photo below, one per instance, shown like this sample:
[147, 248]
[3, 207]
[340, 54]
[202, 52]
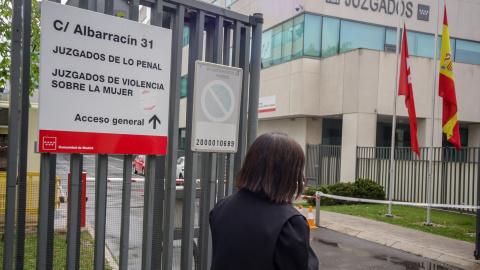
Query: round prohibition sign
[218, 101]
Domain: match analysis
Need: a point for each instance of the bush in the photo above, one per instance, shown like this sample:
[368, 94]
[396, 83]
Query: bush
[342, 189]
[368, 189]
[361, 188]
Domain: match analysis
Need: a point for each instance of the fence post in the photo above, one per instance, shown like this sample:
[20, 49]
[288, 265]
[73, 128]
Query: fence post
[317, 210]
[477, 234]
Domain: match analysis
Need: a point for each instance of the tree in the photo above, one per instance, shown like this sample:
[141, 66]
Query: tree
[6, 38]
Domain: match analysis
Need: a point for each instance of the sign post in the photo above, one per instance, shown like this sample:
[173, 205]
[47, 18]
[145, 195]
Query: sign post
[216, 108]
[104, 83]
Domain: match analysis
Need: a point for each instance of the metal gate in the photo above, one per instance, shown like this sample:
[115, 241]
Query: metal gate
[215, 34]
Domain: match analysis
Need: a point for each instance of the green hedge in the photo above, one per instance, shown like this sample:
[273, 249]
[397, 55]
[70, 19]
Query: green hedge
[361, 188]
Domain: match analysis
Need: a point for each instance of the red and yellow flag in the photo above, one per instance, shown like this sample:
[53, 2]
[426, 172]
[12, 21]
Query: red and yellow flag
[446, 89]
[405, 88]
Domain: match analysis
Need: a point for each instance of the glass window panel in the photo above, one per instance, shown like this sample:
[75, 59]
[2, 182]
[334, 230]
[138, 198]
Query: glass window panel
[183, 89]
[452, 47]
[358, 35]
[229, 2]
[277, 44]
[287, 41]
[313, 26]
[330, 36]
[217, 2]
[266, 48]
[391, 36]
[468, 52]
[186, 35]
[424, 45]
[298, 26]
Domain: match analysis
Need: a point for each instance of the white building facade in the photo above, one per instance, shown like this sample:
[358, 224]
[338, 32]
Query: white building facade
[328, 71]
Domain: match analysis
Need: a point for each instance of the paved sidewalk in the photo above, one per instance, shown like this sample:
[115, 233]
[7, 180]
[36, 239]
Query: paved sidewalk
[450, 251]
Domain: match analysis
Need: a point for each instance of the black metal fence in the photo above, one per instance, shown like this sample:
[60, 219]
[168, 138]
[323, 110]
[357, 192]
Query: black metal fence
[454, 173]
[323, 165]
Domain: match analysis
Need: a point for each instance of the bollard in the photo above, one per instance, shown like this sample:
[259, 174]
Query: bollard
[317, 211]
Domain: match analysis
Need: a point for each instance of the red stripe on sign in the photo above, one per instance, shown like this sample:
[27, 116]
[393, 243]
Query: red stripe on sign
[267, 110]
[53, 141]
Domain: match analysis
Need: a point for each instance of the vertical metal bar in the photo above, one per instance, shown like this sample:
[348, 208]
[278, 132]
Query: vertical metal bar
[74, 205]
[148, 212]
[23, 151]
[255, 65]
[109, 7]
[43, 211]
[170, 181]
[477, 230]
[157, 13]
[8, 253]
[317, 211]
[51, 211]
[208, 184]
[218, 39]
[434, 63]
[133, 10]
[240, 59]
[100, 210]
[197, 23]
[159, 196]
[229, 174]
[228, 160]
[125, 216]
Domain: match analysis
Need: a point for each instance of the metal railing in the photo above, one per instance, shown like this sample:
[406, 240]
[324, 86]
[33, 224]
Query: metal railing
[323, 165]
[454, 173]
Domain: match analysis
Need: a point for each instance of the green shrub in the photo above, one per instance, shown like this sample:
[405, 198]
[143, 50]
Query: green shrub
[342, 189]
[368, 189]
[361, 188]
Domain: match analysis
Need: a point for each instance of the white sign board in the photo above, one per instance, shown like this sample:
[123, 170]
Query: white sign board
[267, 104]
[216, 107]
[104, 83]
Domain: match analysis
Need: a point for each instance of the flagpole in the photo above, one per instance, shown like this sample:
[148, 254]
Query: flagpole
[394, 121]
[429, 187]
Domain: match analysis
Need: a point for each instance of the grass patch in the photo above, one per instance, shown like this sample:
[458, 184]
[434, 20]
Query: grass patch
[448, 224]
[59, 253]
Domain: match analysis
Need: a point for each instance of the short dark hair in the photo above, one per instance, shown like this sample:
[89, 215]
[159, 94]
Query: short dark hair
[273, 168]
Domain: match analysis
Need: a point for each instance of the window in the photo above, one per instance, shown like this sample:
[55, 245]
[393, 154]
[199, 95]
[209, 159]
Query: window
[332, 131]
[266, 48]
[277, 44]
[186, 35]
[330, 36]
[183, 89]
[391, 40]
[468, 52]
[298, 23]
[216, 2]
[287, 41]
[229, 2]
[313, 26]
[357, 35]
[420, 44]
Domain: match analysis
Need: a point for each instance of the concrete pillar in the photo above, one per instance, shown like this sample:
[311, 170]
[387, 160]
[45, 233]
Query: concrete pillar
[424, 127]
[474, 135]
[314, 130]
[358, 129]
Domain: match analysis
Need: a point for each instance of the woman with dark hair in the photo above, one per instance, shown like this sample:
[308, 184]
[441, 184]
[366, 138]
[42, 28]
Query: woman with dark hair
[257, 227]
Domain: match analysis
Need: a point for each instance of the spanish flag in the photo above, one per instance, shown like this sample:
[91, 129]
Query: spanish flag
[446, 89]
